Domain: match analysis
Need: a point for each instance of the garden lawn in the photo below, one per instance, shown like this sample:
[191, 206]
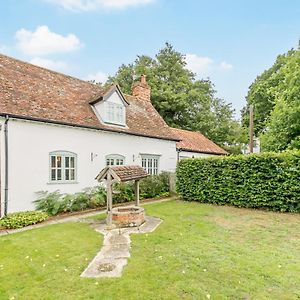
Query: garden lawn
[200, 251]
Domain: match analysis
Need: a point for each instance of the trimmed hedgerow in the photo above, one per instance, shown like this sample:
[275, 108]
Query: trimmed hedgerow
[268, 181]
[22, 219]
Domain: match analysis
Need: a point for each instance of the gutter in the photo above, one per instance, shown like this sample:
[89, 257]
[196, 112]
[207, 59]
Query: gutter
[6, 164]
[33, 119]
[204, 152]
[178, 154]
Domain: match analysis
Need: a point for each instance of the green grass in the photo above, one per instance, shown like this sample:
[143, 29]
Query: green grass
[199, 250]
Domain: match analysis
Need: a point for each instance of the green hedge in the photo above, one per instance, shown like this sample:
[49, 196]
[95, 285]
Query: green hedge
[22, 219]
[269, 180]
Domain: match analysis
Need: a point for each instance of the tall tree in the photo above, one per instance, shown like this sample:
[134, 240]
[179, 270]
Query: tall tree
[263, 92]
[283, 127]
[180, 99]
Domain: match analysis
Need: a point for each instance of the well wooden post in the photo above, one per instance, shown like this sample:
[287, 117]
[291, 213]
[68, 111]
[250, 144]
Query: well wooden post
[109, 199]
[137, 192]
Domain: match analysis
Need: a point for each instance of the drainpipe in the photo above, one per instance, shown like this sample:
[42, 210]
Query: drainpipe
[6, 164]
[178, 154]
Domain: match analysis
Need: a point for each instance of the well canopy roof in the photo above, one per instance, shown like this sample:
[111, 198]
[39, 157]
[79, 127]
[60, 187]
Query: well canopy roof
[123, 173]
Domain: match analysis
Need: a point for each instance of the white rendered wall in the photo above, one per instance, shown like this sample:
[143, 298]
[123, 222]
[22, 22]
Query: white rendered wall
[31, 142]
[186, 154]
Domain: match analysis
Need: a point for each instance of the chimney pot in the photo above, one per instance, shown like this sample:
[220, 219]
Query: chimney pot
[143, 79]
[141, 89]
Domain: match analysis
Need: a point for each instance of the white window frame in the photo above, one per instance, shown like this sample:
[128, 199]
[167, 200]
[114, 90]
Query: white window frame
[150, 163]
[114, 113]
[66, 169]
[114, 160]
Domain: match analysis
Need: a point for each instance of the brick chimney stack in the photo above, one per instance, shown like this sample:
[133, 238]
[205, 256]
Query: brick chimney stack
[141, 89]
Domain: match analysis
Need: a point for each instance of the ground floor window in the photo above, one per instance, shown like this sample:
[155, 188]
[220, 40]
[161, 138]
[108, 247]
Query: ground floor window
[115, 160]
[150, 164]
[63, 166]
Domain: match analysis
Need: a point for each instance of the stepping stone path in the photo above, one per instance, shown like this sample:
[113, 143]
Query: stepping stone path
[112, 258]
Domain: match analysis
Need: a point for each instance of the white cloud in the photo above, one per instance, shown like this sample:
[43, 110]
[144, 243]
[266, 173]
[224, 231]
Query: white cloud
[205, 66]
[55, 65]
[42, 41]
[89, 5]
[98, 77]
[198, 64]
[225, 66]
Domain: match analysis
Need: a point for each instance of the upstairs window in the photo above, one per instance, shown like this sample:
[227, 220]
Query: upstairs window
[63, 167]
[111, 107]
[150, 164]
[115, 160]
[115, 113]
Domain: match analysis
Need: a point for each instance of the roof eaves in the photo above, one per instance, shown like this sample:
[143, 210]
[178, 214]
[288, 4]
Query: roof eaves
[204, 152]
[85, 126]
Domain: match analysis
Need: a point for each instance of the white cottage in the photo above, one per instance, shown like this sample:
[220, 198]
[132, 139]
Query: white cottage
[57, 132]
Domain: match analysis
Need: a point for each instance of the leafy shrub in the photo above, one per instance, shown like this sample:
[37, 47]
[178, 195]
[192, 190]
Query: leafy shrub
[155, 186]
[268, 180]
[22, 219]
[55, 203]
[51, 203]
[123, 192]
[150, 187]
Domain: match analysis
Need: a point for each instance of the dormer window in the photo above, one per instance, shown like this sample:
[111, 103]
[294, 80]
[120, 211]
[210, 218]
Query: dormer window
[115, 113]
[111, 107]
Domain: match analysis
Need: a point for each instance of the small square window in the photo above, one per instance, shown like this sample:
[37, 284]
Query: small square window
[115, 160]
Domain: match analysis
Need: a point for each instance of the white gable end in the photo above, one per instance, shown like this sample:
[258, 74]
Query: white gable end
[112, 109]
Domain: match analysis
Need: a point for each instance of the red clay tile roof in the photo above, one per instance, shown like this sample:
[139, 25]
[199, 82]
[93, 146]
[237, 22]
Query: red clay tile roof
[196, 142]
[126, 173]
[123, 173]
[33, 92]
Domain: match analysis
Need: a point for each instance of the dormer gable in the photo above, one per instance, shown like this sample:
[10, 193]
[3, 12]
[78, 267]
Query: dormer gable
[110, 108]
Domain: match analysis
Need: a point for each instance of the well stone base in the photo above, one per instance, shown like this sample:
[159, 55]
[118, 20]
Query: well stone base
[128, 216]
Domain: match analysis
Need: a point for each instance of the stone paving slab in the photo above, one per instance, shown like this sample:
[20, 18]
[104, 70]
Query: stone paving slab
[112, 257]
[93, 270]
[116, 238]
[115, 251]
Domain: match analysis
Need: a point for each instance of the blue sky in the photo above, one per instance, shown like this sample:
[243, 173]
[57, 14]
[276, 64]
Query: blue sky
[230, 41]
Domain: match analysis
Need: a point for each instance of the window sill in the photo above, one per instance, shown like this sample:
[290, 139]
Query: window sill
[62, 182]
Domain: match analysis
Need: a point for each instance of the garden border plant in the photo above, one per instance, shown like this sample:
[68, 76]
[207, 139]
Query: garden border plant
[56, 203]
[267, 180]
[22, 219]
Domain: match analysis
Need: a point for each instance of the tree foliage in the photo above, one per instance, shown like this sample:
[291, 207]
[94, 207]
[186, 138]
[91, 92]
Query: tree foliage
[275, 95]
[180, 99]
